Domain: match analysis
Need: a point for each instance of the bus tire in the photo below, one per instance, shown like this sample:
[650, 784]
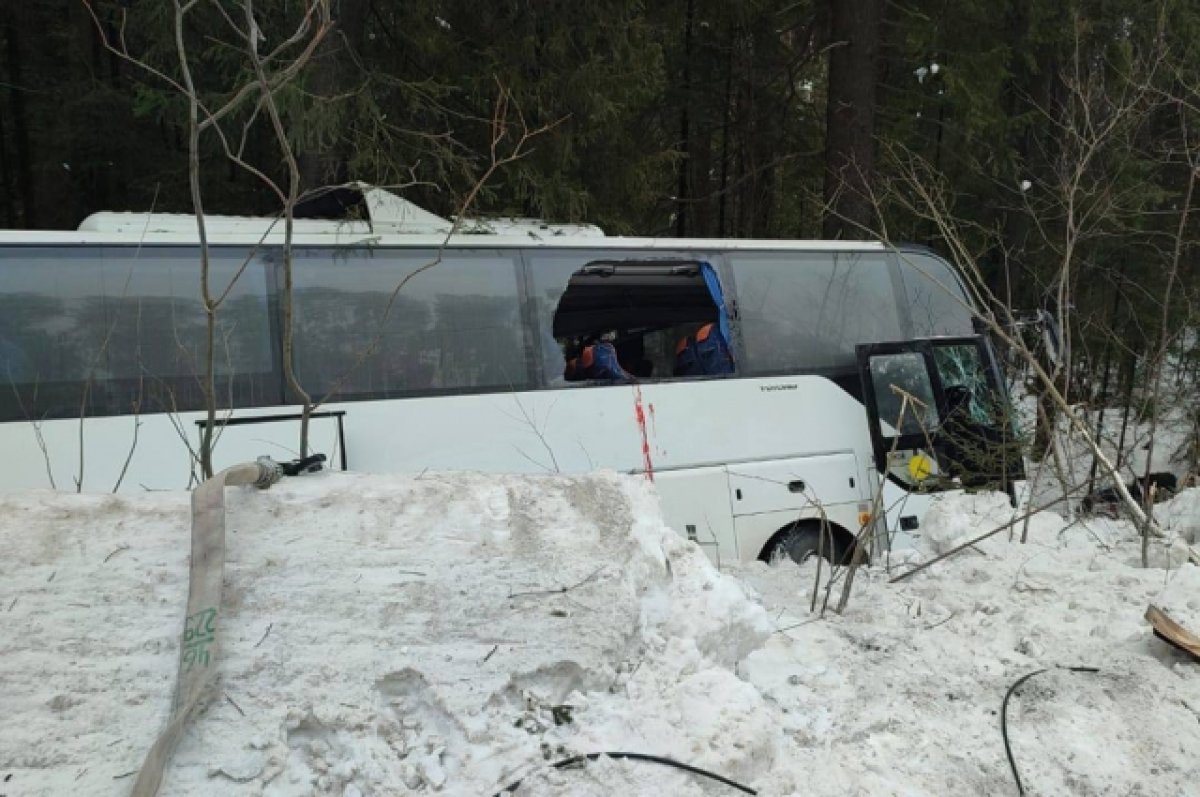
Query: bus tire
[801, 541]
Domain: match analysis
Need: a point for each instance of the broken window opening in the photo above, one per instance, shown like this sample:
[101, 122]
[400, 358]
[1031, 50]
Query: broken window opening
[622, 321]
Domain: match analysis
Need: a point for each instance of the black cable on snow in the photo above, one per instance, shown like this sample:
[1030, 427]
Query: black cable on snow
[644, 757]
[1004, 716]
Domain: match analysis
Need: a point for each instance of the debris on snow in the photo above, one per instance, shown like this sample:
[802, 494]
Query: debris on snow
[1172, 632]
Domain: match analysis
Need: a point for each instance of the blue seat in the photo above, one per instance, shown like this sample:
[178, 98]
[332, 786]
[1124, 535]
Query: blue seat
[598, 361]
[705, 354]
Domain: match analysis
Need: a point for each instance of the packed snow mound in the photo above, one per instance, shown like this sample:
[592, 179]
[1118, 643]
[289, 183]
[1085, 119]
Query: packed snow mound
[381, 635]
[1181, 515]
[901, 694]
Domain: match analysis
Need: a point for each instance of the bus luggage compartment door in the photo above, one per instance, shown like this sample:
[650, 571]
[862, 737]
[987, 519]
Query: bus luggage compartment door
[695, 502]
[794, 484]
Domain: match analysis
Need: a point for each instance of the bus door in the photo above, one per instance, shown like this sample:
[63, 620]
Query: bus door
[938, 419]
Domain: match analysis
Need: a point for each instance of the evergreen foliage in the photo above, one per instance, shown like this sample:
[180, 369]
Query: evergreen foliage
[1046, 127]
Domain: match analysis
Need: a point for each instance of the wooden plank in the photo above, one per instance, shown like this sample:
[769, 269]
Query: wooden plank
[1172, 632]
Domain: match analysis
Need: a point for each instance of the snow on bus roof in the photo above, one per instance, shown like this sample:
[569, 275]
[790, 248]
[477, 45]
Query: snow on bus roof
[360, 234]
[386, 219]
[386, 213]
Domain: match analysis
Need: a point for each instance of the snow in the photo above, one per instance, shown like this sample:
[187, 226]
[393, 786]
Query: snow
[902, 693]
[1124, 443]
[384, 633]
[452, 633]
[1181, 515]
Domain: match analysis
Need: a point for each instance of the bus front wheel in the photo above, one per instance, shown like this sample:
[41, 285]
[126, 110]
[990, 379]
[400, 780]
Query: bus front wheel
[803, 541]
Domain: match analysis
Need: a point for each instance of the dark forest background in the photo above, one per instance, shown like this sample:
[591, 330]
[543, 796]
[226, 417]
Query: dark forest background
[1019, 135]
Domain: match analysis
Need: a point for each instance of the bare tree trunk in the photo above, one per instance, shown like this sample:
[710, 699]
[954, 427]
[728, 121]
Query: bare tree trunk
[24, 155]
[1127, 402]
[725, 127]
[336, 69]
[7, 198]
[1159, 356]
[1106, 370]
[311, 30]
[208, 385]
[850, 118]
[683, 195]
[289, 214]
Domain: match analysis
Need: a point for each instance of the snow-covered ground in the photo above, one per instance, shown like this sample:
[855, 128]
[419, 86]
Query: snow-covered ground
[1124, 439]
[388, 635]
[901, 694]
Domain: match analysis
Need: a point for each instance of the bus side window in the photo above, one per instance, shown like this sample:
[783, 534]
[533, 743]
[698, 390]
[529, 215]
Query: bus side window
[806, 311]
[904, 395]
[380, 323]
[933, 296]
[116, 329]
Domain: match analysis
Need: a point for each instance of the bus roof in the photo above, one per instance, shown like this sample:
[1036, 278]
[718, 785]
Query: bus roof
[358, 234]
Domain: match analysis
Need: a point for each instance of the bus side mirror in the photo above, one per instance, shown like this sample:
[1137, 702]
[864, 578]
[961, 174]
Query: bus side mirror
[1038, 330]
[1051, 336]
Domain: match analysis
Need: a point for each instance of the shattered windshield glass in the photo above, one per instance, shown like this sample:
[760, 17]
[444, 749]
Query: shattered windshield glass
[959, 365]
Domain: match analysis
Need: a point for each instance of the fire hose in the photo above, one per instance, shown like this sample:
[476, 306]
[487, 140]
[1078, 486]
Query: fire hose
[199, 644]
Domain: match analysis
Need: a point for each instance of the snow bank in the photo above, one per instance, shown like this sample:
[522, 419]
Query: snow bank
[453, 633]
[1181, 515]
[381, 635]
[1171, 452]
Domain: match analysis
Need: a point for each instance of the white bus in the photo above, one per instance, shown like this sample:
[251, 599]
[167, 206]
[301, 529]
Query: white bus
[749, 379]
